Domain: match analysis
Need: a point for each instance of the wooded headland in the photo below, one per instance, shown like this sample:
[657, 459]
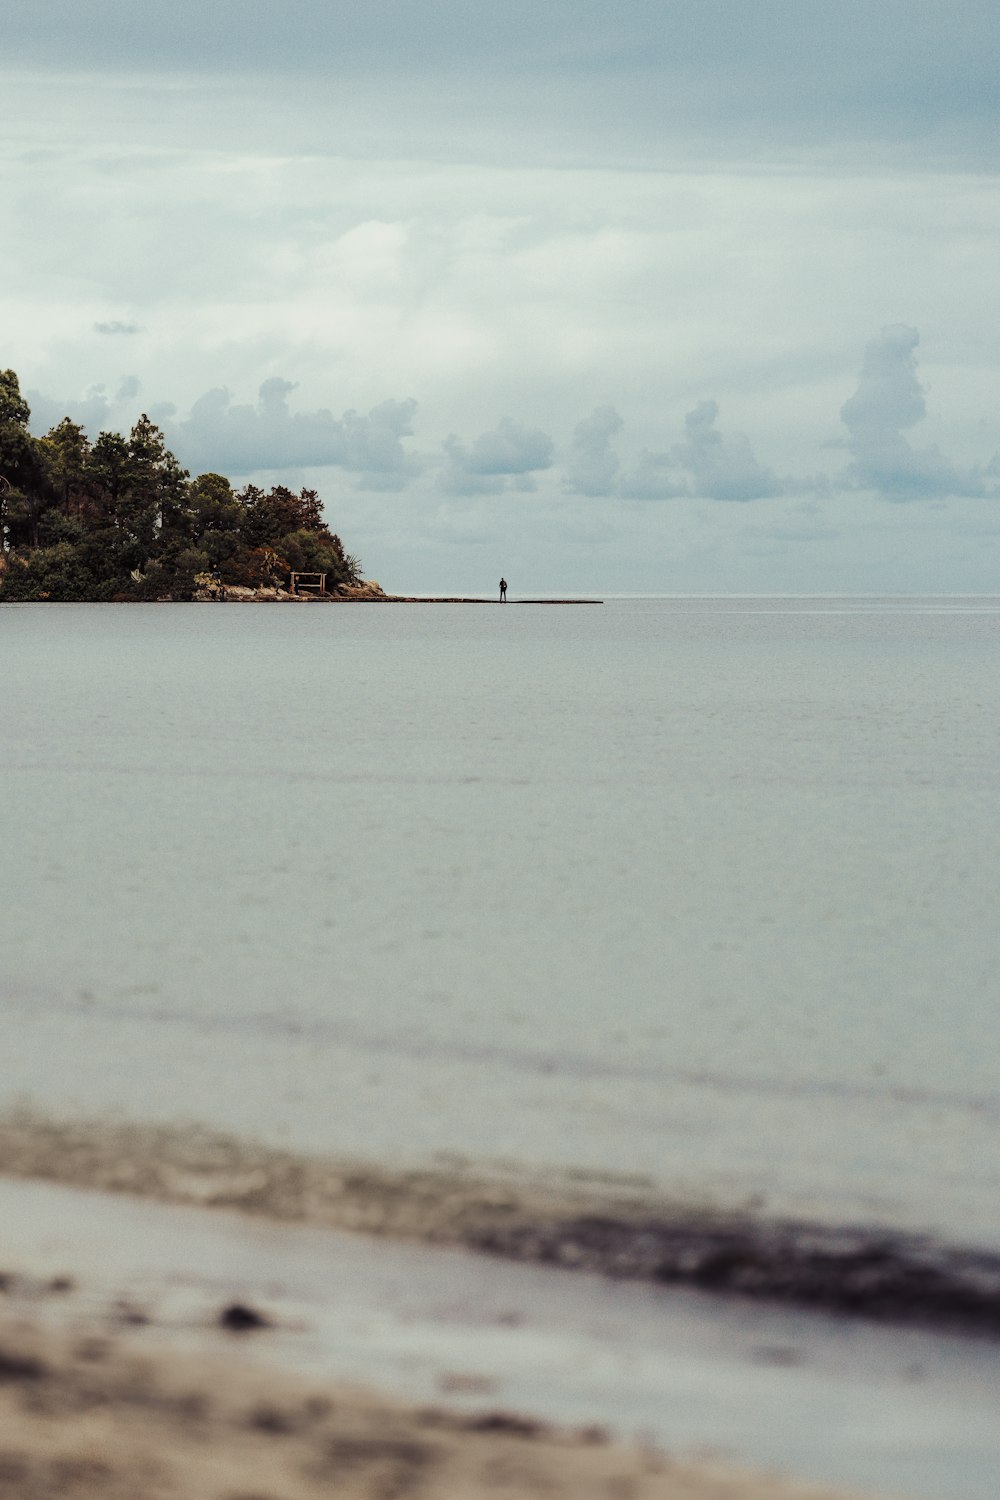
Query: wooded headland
[119, 519]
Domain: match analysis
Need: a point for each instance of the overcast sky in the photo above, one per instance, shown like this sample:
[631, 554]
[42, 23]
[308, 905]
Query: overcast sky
[665, 295]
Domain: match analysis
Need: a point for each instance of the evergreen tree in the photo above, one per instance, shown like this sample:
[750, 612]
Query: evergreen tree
[120, 518]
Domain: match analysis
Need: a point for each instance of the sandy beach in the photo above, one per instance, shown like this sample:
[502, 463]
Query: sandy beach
[96, 1414]
[159, 1349]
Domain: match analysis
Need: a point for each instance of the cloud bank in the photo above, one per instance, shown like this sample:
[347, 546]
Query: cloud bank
[506, 458]
[244, 439]
[707, 462]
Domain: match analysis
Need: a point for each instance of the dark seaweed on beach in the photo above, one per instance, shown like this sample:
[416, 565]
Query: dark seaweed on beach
[860, 1270]
[897, 1278]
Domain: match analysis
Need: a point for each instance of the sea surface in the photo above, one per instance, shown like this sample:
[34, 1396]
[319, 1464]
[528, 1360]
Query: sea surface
[698, 893]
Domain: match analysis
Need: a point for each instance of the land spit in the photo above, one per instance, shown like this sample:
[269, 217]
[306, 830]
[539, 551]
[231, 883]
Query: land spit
[416, 599]
[363, 594]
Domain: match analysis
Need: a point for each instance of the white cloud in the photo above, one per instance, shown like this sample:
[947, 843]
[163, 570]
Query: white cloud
[722, 468]
[244, 439]
[94, 410]
[506, 458]
[888, 402]
[706, 464]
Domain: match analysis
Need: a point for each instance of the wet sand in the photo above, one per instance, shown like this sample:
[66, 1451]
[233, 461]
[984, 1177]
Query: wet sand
[710, 1380]
[96, 1416]
[615, 1227]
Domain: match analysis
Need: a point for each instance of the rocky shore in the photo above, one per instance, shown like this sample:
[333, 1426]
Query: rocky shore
[369, 591]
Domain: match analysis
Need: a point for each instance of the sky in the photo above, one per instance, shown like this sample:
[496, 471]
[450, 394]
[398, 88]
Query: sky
[667, 296]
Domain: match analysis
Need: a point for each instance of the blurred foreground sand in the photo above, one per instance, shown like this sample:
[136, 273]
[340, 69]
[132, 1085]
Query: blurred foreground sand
[95, 1416]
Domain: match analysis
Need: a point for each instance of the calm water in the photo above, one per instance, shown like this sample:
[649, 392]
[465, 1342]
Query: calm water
[698, 889]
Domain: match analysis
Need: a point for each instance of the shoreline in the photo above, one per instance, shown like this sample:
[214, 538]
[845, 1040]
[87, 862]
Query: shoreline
[100, 1413]
[236, 595]
[273, 597]
[446, 599]
[564, 1374]
[624, 1230]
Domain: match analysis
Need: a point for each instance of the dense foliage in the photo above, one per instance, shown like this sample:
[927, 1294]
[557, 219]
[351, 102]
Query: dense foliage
[119, 519]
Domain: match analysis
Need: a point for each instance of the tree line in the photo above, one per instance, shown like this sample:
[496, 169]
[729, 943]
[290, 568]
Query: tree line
[119, 519]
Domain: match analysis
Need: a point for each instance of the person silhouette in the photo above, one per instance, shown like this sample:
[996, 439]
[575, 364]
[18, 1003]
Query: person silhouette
[503, 591]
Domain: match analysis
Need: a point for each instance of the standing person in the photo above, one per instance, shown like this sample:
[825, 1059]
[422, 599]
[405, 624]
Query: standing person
[503, 591]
